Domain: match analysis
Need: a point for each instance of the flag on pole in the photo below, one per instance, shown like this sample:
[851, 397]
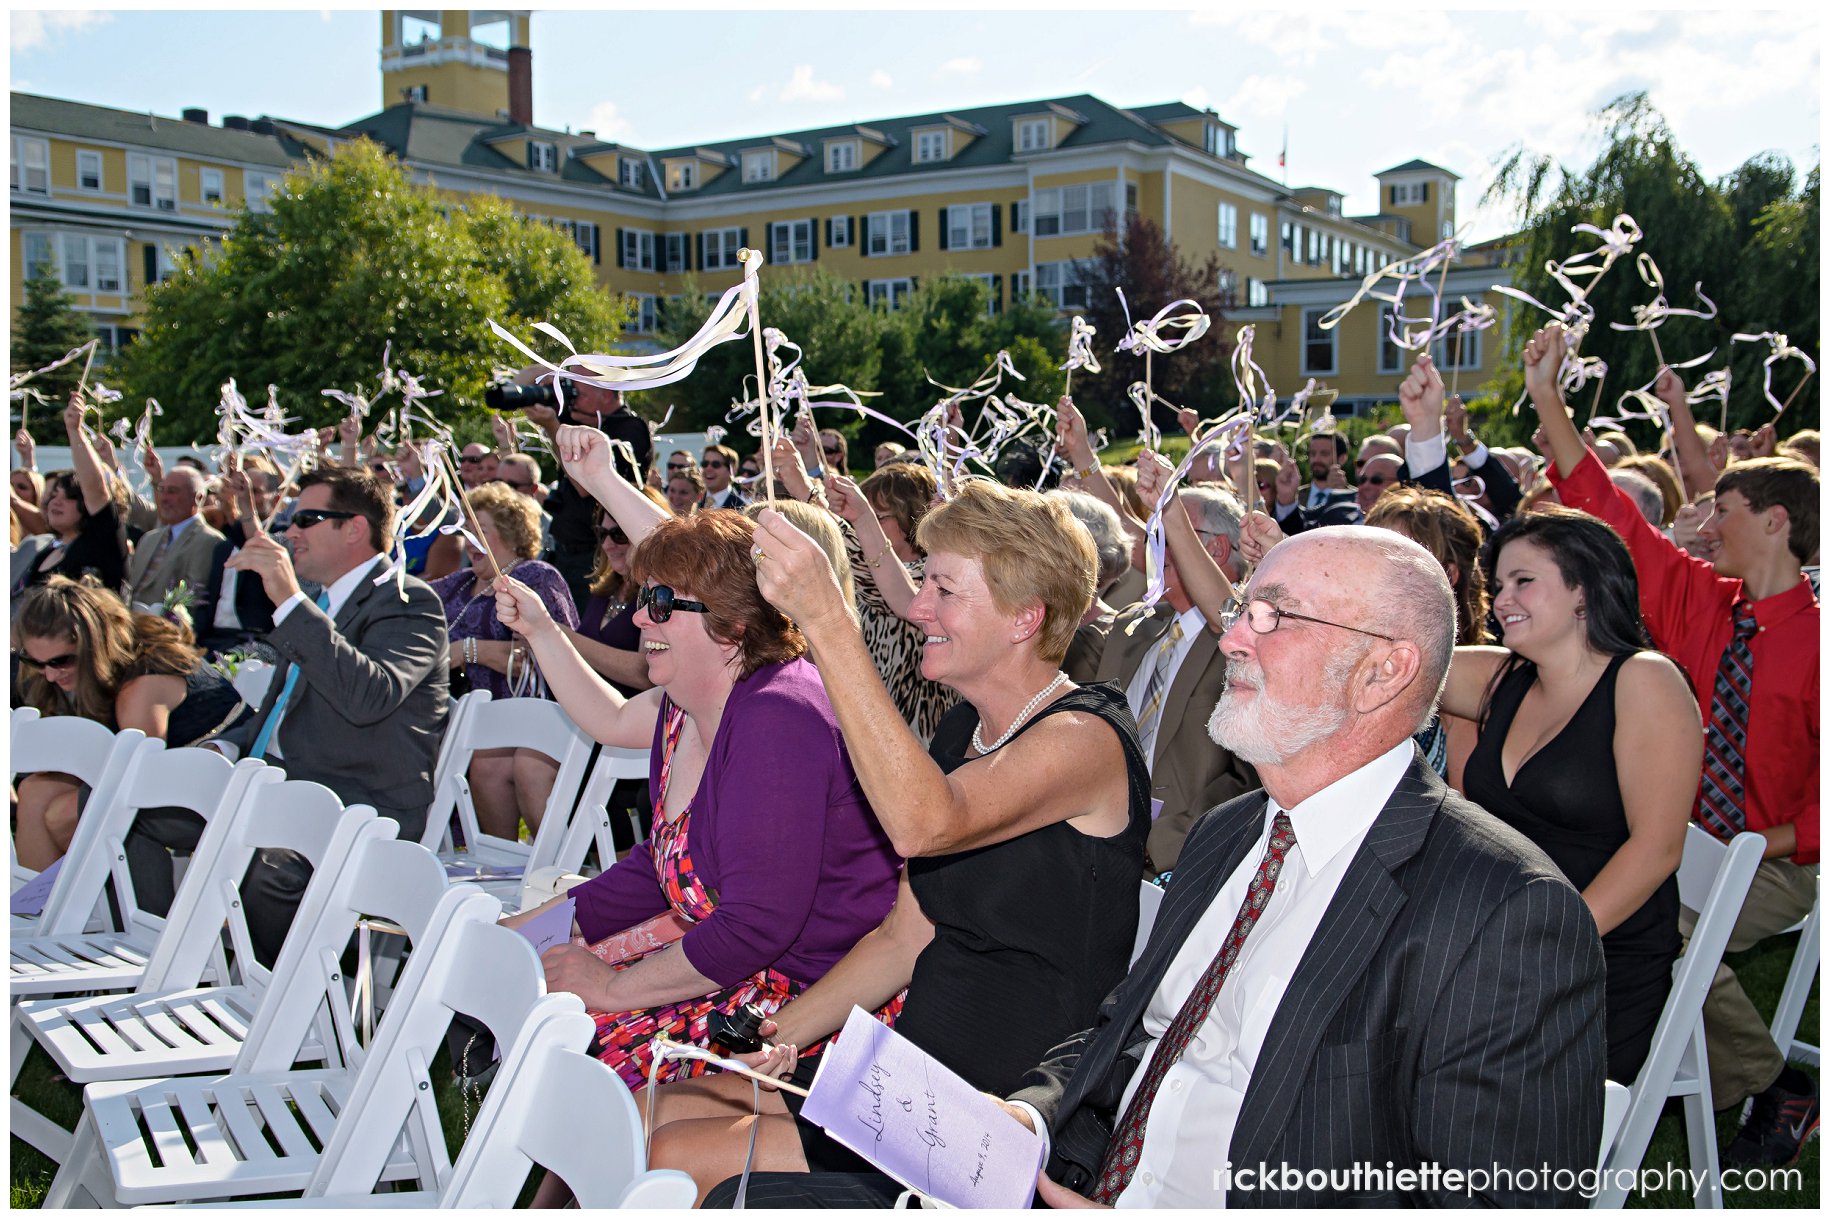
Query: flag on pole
[1283, 156]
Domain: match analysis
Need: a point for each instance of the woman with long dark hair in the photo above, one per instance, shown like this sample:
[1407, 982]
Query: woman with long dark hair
[1589, 744]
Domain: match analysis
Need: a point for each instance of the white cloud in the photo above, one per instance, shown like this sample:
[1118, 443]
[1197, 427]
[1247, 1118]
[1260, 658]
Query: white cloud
[31, 29]
[963, 65]
[880, 79]
[1198, 97]
[1262, 97]
[608, 121]
[801, 87]
[759, 92]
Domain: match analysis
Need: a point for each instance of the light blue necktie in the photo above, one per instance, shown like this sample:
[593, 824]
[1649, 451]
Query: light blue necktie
[279, 707]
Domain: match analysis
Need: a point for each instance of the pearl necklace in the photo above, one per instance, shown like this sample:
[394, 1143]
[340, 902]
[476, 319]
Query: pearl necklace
[978, 742]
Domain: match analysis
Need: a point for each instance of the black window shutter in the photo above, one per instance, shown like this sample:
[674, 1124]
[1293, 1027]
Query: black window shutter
[829, 230]
[863, 235]
[1394, 196]
[914, 282]
[152, 262]
[1426, 192]
[743, 238]
[597, 246]
[1013, 217]
[768, 244]
[997, 228]
[944, 235]
[619, 247]
[914, 230]
[866, 298]
[813, 241]
[997, 293]
[699, 241]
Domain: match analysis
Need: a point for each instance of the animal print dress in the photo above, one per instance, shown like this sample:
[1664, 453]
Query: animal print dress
[895, 648]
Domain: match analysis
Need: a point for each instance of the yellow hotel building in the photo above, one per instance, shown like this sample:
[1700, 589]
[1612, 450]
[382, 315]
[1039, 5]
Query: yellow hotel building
[1013, 195]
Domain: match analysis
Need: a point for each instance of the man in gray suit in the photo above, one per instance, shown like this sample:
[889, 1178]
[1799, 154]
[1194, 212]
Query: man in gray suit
[360, 707]
[179, 550]
[1172, 675]
[1355, 971]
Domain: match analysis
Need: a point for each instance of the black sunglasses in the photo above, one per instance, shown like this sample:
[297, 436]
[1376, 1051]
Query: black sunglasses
[660, 602]
[831, 450]
[1375, 481]
[614, 533]
[305, 518]
[718, 465]
[65, 661]
[470, 459]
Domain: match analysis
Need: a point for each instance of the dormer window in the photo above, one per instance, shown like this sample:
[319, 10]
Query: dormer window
[542, 157]
[759, 167]
[842, 157]
[630, 173]
[931, 146]
[684, 176]
[1032, 135]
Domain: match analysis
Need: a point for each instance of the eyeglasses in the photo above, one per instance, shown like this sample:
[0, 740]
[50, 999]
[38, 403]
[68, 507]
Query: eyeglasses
[67, 660]
[614, 533]
[717, 465]
[305, 518]
[1375, 481]
[471, 459]
[660, 602]
[1263, 618]
[831, 450]
[679, 465]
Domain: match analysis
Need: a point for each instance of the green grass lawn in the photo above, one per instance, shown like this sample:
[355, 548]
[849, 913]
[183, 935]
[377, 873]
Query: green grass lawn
[1763, 972]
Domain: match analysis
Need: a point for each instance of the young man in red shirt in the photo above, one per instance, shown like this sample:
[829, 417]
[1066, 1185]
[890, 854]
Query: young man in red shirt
[1745, 630]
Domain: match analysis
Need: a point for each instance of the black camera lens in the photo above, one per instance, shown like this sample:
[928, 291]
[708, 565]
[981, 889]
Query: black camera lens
[738, 1033]
[514, 397]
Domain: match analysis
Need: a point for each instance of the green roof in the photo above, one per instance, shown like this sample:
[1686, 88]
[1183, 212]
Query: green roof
[1412, 167]
[79, 121]
[438, 135]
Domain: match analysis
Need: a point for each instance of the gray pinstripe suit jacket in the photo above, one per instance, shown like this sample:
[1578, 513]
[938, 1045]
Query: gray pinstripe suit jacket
[1448, 1010]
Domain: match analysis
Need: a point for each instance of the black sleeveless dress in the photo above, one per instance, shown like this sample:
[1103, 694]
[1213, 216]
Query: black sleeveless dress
[1029, 935]
[1566, 798]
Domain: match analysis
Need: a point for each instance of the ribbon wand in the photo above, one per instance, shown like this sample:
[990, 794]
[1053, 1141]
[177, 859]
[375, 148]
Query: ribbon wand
[1789, 397]
[470, 513]
[751, 293]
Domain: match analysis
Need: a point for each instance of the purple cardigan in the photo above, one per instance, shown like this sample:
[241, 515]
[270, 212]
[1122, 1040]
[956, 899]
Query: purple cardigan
[780, 832]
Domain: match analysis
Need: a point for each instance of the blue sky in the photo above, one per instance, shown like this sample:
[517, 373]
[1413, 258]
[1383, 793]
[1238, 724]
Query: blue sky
[1358, 91]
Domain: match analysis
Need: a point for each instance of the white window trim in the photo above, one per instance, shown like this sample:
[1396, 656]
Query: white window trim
[1228, 233]
[834, 222]
[1060, 273]
[1260, 234]
[851, 147]
[94, 157]
[1027, 127]
[885, 223]
[1334, 346]
[21, 143]
[954, 210]
[92, 262]
[775, 240]
[222, 186]
[922, 139]
[152, 164]
[733, 237]
[543, 156]
[672, 243]
[683, 177]
[1051, 203]
[645, 303]
[258, 188]
[629, 173]
[763, 161]
[890, 291]
[638, 250]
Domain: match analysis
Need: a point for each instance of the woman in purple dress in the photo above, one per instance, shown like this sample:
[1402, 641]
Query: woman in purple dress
[764, 864]
[508, 785]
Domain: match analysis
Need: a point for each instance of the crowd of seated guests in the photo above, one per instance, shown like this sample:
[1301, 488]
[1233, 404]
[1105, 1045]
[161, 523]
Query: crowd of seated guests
[914, 751]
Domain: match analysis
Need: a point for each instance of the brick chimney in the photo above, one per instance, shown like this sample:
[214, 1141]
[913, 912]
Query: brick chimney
[521, 86]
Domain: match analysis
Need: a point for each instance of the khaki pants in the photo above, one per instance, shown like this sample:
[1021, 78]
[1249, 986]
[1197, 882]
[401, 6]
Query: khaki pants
[1742, 1057]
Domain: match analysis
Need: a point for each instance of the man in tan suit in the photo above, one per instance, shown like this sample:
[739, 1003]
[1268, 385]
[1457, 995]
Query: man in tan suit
[178, 550]
[1172, 673]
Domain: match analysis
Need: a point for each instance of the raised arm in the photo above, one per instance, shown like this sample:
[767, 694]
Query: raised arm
[1543, 356]
[90, 474]
[883, 569]
[593, 704]
[1699, 472]
[585, 454]
[1202, 579]
[1074, 445]
[1063, 769]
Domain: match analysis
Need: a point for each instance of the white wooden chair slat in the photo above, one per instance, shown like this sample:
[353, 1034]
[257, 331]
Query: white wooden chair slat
[99, 1031]
[1713, 880]
[162, 1127]
[200, 1123]
[250, 1145]
[1797, 990]
[279, 1119]
[317, 1115]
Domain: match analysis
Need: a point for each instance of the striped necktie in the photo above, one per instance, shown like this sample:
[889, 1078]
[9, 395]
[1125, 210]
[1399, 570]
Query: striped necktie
[158, 557]
[1150, 710]
[265, 737]
[1128, 1140]
[1722, 800]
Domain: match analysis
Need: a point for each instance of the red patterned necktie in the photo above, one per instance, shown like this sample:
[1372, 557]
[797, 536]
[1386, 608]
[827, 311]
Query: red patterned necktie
[1722, 800]
[1128, 1140]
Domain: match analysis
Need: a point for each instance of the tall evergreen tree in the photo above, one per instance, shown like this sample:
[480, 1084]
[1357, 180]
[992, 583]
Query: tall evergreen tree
[45, 327]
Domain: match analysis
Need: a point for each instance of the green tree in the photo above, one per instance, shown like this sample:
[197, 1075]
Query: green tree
[354, 256]
[1152, 271]
[45, 327]
[1749, 238]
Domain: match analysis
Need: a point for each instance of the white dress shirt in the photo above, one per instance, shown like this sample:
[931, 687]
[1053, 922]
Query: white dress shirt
[1194, 630]
[339, 591]
[1197, 1104]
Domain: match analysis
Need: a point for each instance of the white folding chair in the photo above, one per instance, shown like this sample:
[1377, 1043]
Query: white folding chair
[171, 1024]
[259, 1130]
[1149, 901]
[85, 750]
[1713, 880]
[52, 963]
[508, 723]
[1798, 989]
[1614, 1100]
[563, 842]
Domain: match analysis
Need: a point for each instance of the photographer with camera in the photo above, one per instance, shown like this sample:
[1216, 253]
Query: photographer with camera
[573, 511]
